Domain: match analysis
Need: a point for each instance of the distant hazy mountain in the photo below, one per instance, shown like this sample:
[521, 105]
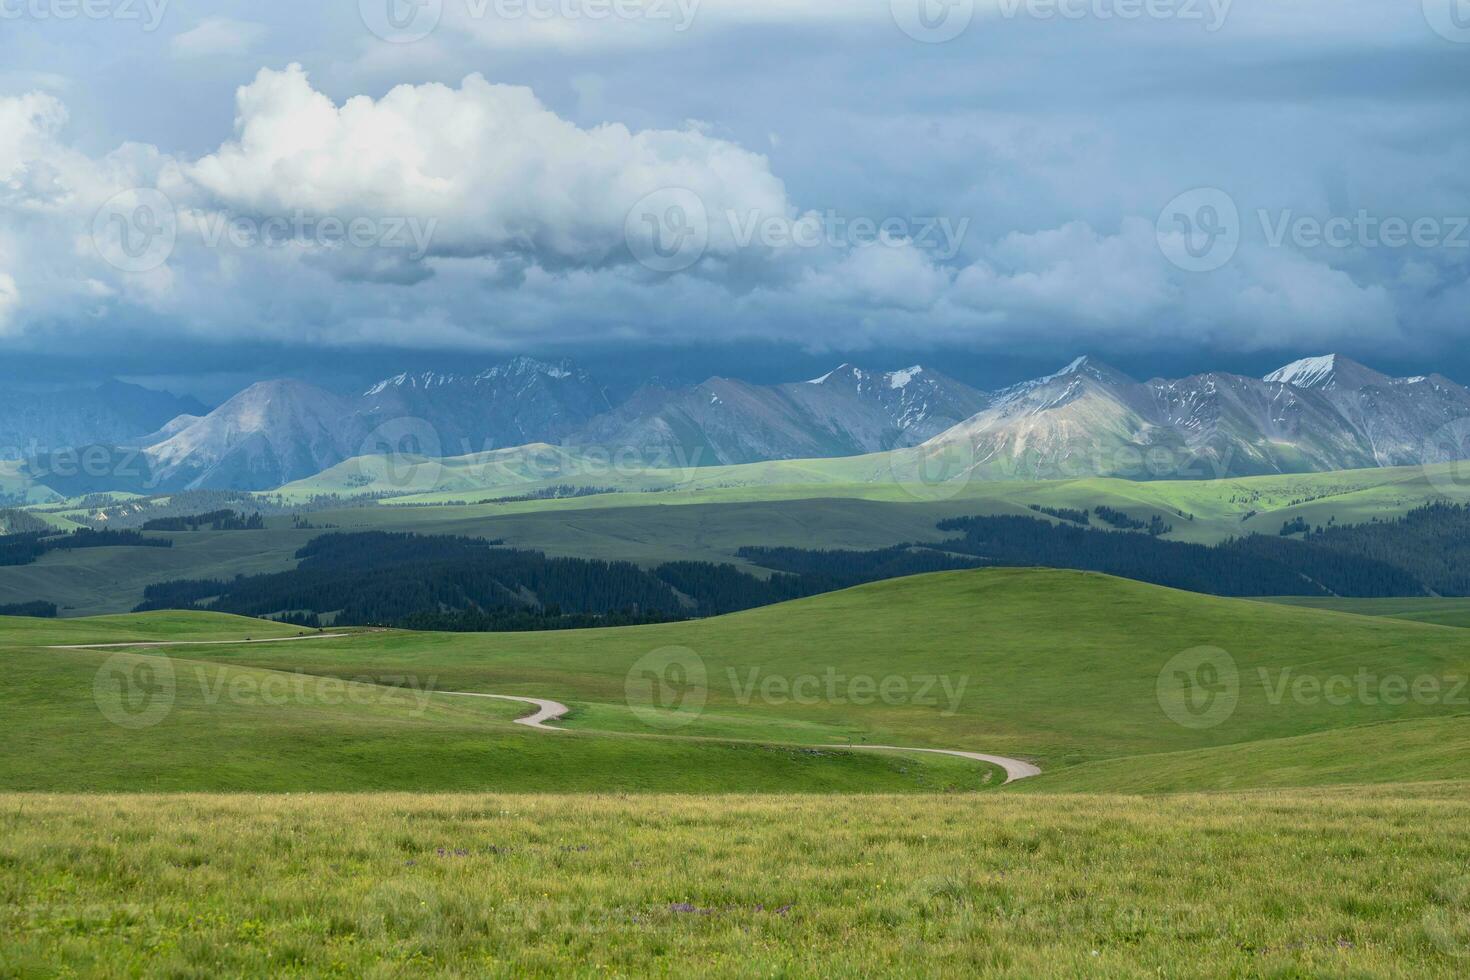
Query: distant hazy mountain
[34, 422]
[276, 432]
[1321, 413]
[846, 412]
[269, 434]
[511, 404]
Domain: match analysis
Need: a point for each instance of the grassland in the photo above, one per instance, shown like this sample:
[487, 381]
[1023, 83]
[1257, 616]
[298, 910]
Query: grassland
[1389, 753]
[1061, 668]
[18, 487]
[1443, 612]
[722, 841]
[1058, 667]
[1284, 884]
[78, 720]
[709, 520]
[1220, 506]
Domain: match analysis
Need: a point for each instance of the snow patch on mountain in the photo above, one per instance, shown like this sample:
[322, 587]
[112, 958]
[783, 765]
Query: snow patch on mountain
[901, 379]
[1309, 372]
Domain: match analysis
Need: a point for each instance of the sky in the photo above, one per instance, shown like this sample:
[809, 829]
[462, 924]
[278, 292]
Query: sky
[198, 195]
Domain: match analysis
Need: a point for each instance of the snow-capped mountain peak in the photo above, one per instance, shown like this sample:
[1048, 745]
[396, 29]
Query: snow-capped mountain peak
[422, 382]
[521, 367]
[1327, 371]
[1309, 372]
[1090, 367]
[898, 380]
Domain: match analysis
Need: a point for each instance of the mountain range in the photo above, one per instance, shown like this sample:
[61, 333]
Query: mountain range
[1320, 413]
[1317, 414]
[114, 413]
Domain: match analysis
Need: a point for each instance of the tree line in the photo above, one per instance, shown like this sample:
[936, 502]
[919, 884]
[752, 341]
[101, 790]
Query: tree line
[23, 549]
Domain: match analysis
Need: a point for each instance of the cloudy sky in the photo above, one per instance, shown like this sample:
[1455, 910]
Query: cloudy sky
[208, 191]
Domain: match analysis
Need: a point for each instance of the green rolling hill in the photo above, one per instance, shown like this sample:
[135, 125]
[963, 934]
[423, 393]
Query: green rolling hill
[1442, 612]
[1061, 668]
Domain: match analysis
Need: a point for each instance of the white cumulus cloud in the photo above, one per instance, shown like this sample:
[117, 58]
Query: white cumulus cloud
[494, 169]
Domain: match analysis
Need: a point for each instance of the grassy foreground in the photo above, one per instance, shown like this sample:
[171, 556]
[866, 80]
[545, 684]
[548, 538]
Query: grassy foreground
[1297, 883]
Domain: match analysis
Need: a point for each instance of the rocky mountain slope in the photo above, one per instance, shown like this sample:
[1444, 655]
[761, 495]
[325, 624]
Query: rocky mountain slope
[1317, 414]
[1321, 413]
[511, 404]
[846, 412]
[40, 421]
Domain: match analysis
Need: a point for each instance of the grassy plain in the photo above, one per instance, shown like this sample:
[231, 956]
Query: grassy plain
[1297, 883]
[729, 846]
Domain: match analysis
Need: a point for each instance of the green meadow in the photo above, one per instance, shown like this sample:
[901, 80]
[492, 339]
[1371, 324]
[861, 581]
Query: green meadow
[257, 800]
[1055, 667]
[1444, 612]
[1285, 883]
[1066, 670]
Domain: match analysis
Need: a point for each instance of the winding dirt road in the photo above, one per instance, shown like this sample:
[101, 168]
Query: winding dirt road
[549, 711]
[206, 643]
[545, 710]
[1015, 768]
